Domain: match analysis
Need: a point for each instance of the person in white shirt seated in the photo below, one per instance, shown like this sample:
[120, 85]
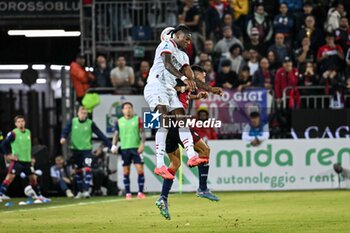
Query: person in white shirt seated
[255, 132]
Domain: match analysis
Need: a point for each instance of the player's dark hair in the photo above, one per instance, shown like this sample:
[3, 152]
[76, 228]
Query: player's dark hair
[18, 117]
[181, 27]
[254, 114]
[127, 103]
[198, 68]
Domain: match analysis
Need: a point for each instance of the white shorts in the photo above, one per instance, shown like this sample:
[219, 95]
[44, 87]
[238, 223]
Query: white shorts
[157, 93]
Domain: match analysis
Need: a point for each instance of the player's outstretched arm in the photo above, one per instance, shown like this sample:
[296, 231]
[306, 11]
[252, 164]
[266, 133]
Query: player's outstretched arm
[204, 86]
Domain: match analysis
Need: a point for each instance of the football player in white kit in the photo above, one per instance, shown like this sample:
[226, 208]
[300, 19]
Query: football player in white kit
[162, 97]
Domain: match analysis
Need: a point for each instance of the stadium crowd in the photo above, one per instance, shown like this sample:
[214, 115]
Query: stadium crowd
[272, 44]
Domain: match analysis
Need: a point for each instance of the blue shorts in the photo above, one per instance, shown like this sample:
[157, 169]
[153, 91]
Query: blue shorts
[81, 158]
[131, 155]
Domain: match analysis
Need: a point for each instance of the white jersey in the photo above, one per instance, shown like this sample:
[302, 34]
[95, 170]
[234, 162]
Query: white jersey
[179, 58]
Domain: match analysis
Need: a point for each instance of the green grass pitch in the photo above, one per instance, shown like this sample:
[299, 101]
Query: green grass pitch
[296, 211]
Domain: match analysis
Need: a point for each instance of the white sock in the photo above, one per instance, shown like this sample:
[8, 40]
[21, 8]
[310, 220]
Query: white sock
[187, 141]
[160, 146]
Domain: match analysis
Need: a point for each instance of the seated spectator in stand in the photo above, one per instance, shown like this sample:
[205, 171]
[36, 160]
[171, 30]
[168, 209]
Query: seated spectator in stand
[101, 172]
[283, 23]
[315, 34]
[308, 77]
[60, 175]
[210, 74]
[335, 84]
[214, 17]
[253, 61]
[228, 21]
[255, 132]
[300, 19]
[280, 48]
[102, 72]
[205, 133]
[122, 76]
[263, 76]
[342, 34]
[237, 61]
[347, 60]
[142, 75]
[260, 21]
[274, 64]
[80, 78]
[202, 58]
[226, 77]
[286, 76]
[190, 15]
[304, 54]
[330, 55]
[334, 15]
[254, 43]
[209, 49]
[244, 79]
[225, 43]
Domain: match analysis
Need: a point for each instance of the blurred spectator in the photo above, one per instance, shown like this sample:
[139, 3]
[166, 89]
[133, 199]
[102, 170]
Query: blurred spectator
[282, 22]
[122, 76]
[189, 14]
[315, 34]
[214, 17]
[293, 5]
[347, 60]
[205, 133]
[274, 64]
[202, 58]
[244, 79]
[300, 19]
[330, 55]
[280, 48]
[333, 17]
[240, 11]
[254, 43]
[210, 73]
[342, 34]
[142, 75]
[226, 77]
[237, 61]
[270, 6]
[304, 53]
[286, 76]
[228, 22]
[101, 72]
[101, 172]
[253, 62]
[335, 84]
[260, 21]
[263, 76]
[255, 132]
[80, 78]
[308, 78]
[60, 175]
[225, 43]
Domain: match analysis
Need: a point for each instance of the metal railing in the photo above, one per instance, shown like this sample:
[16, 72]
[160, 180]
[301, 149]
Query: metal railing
[311, 100]
[127, 21]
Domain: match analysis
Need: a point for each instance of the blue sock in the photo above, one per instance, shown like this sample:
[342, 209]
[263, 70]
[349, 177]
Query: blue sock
[203, 170]
[126, 182]
[87, 178]
[79, 181]
[141, 182]
[4, 186]
[167, 185]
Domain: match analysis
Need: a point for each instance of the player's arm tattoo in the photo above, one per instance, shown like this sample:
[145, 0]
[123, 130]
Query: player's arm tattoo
[202, 85]
[169, 66]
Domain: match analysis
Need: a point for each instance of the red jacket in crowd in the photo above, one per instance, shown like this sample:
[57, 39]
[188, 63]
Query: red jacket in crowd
[285, 79]
[208, 133]
[80, 79]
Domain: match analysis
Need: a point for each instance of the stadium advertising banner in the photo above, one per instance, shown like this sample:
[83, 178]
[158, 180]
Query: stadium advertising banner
[274, 165]
[233, 108]
[306, 123]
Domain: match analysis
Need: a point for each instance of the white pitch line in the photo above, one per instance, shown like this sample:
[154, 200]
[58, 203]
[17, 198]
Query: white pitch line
[70, 205]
